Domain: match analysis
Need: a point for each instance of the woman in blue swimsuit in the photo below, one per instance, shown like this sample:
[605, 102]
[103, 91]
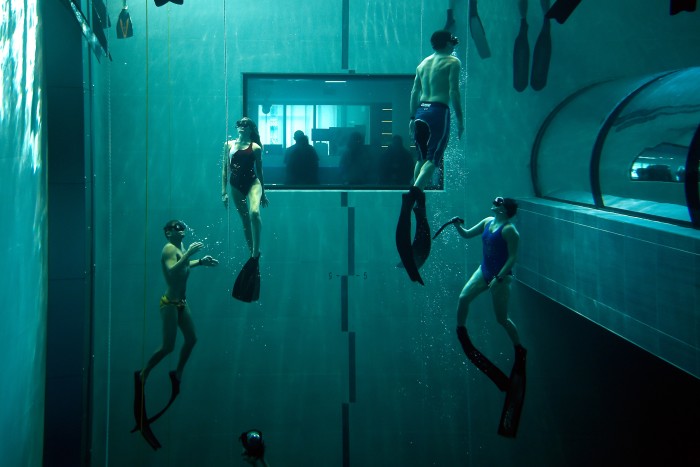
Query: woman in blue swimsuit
[242, 167]
[500, 248]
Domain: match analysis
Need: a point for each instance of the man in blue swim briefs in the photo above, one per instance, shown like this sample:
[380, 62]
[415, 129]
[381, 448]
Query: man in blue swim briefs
[435, 86]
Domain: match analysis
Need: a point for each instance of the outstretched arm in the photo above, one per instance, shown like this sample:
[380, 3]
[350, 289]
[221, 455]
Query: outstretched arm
[477, 229]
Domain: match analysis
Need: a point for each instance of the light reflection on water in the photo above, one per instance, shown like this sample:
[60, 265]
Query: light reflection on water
[24, 220]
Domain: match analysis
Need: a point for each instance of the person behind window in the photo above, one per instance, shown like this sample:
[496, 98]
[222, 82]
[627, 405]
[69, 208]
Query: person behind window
[301, 160]
[242, 158]
[396, 164]
[355, 161]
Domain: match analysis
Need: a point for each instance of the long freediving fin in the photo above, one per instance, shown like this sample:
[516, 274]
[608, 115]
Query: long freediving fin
[481, 362]
[521, 52]
[140, 415]
[421, 240]
[403, 236]
[447, 224]
[450, 21]
[476, 30]
[515, 396]
[542, 53]
[562, 9]
[174, 391]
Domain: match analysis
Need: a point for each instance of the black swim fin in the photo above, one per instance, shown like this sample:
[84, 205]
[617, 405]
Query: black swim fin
[562, 9]
[454, 220]
[521, 52]
[142, 424]
[515, 396]
[450, 21]
[481, 362]
[542, 54]
[476, 30]
[682, 5]
[246, 288]
[421, 240]
[174, 392]
[124, 27]
[403, 235]
[163, 2]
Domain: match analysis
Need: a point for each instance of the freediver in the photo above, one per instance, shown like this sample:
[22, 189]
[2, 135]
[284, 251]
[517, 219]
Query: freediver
[175, 312]
[436, 85]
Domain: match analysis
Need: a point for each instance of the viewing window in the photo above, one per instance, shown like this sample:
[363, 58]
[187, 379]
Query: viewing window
[351, 130]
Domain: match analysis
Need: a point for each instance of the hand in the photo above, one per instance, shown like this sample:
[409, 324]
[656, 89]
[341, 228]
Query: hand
[208, 261]
[264, 202]
[495, 282]
[224, 198]
[457, 220]
[194, 248]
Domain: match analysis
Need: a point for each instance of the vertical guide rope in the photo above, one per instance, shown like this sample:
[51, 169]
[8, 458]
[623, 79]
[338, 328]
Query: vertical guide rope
[109, 256]
[145, 236]
[170, 128]
[228, 211]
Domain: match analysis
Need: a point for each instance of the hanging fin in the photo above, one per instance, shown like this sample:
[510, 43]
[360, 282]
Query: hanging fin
[562, 9]
[124, 27]
[476, 30]
[521, 52]
[542, 54]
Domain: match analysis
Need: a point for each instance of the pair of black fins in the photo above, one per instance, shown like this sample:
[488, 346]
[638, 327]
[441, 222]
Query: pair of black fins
[541, 56]
[513, 386]
[560, 11]
[413, 254]
[246, 288]
[522, 75]
[143, 422]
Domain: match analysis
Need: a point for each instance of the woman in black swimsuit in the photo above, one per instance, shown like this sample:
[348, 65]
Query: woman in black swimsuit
[242, 159]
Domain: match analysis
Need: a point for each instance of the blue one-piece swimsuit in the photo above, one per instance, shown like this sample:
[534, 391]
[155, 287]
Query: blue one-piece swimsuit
[495, 252]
